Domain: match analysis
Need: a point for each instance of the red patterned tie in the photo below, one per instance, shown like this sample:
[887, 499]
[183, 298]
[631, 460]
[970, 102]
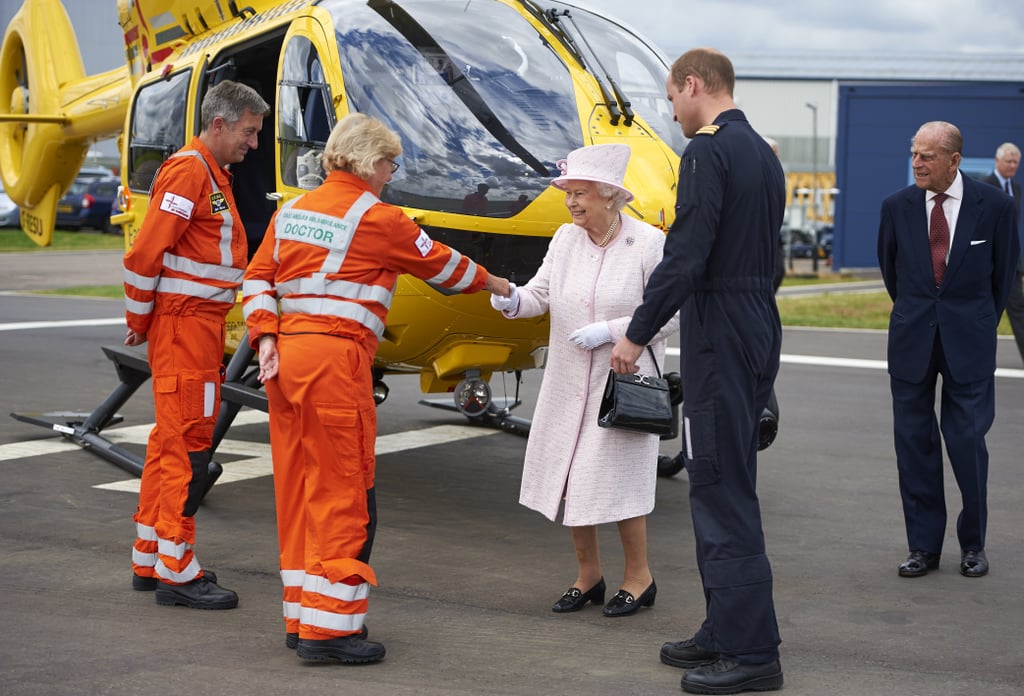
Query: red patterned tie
[938, 238]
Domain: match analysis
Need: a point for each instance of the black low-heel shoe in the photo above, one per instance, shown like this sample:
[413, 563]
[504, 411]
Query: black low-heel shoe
[624, 604]
[575, 599]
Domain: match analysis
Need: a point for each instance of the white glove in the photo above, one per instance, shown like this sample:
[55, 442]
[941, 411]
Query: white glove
[591, 336]
[508, 305]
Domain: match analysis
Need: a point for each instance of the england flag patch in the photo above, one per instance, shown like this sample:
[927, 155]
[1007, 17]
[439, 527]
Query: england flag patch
[177, 205]
[424, 243]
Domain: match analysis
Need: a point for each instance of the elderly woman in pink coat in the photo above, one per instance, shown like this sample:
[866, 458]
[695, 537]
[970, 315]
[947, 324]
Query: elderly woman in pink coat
[591, 280]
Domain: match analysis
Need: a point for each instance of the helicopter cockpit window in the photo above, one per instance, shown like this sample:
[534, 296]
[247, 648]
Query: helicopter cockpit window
[157, 128]
[305, 115]
[639, 70]
[484, 106]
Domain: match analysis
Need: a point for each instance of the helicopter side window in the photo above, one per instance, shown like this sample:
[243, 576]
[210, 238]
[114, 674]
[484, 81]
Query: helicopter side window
[305, 115]
[157, 128]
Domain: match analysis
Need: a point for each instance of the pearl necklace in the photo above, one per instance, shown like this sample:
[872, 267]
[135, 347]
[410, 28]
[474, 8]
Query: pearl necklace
[611, 230]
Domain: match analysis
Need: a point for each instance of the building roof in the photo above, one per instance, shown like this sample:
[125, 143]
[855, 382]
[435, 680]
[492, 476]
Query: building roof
[944, 67]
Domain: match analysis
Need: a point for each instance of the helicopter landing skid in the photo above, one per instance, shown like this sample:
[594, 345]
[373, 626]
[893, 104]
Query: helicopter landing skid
[494, 416]
[240, 388]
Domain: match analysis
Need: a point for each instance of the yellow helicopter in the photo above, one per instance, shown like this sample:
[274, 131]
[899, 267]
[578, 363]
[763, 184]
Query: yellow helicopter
[487, 95]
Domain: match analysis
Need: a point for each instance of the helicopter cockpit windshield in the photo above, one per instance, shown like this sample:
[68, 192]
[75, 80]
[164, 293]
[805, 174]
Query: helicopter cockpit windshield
[627, 61]
[480, 100]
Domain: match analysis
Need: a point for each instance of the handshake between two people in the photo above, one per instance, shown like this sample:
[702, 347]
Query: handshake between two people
[586, 337]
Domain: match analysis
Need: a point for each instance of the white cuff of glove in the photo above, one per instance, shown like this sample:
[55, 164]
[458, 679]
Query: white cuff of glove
[591, 336]
[507, 305]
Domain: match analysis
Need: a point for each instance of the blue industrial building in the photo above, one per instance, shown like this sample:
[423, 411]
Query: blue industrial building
[876, 122]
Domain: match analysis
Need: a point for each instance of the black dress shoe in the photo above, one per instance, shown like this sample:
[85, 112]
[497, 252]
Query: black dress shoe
[727, 676]
[575, 599]
[291, 640]
[973, 564]
[141, 583]
[687, 654]
[624, 604]
[918, 563]
[198, 594]
[352, 649]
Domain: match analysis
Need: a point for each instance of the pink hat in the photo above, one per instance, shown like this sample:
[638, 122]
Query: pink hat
[605, 164]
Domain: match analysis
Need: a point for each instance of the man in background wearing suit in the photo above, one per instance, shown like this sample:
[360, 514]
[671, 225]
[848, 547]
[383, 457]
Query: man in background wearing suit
[1007, 161]
[948, 249]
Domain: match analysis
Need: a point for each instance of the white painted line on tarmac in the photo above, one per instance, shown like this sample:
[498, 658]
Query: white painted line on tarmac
[823, 361]
[35, 448]
[257, 461]
[23, 325]
[856, 363]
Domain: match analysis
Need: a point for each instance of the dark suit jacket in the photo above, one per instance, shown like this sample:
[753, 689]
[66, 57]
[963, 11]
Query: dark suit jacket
[1014, 186]
[965, 309]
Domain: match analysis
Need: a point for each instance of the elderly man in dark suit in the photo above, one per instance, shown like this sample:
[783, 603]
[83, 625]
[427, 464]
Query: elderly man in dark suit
[1007, 161]
[947, 247]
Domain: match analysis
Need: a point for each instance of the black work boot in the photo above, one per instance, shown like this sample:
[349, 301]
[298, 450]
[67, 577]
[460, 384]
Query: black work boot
[147, 583]
[203, 593]
[354, 649]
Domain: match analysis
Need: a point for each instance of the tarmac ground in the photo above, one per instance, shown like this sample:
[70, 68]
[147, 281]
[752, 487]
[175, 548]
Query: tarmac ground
[467, 575]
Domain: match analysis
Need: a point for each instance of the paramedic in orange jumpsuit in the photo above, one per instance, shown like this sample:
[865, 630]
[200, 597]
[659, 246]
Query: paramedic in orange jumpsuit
[181, 277]
[316, 296]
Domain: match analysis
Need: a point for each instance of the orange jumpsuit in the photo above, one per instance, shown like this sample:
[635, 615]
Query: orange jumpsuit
[322, 282]
[181, 278]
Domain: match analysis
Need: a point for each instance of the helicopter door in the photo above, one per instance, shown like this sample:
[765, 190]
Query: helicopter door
[253, 183]
[157, 125]
[305, 106]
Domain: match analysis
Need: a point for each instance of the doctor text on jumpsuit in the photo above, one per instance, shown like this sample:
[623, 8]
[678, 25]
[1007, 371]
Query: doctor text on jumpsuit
[316, 296]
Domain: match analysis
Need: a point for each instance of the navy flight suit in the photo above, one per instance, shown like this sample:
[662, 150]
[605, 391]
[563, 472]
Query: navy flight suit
[717, 271]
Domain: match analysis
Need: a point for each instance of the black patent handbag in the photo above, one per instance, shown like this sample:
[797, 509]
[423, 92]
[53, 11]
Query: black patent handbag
[639, 403]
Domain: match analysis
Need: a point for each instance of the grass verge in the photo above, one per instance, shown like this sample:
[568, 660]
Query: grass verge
[63, 240]
[867, 310]
[110, 291]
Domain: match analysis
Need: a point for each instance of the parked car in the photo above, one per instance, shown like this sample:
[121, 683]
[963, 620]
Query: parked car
[10, 216]
[92, 171]
[88, 203]
[802, 244]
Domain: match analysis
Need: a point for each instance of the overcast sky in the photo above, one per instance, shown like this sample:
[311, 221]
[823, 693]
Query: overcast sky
[877, 26]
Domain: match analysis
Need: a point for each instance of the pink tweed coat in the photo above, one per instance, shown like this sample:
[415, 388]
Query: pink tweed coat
[604, 475]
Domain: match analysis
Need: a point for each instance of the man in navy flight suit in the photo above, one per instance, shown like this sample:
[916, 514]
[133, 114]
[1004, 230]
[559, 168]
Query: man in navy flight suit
[717, 271]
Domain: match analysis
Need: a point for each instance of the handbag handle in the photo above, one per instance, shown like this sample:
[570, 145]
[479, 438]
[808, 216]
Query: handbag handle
[656, 368]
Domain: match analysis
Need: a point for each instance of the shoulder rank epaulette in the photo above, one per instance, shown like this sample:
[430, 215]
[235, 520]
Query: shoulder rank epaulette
[708, 130]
